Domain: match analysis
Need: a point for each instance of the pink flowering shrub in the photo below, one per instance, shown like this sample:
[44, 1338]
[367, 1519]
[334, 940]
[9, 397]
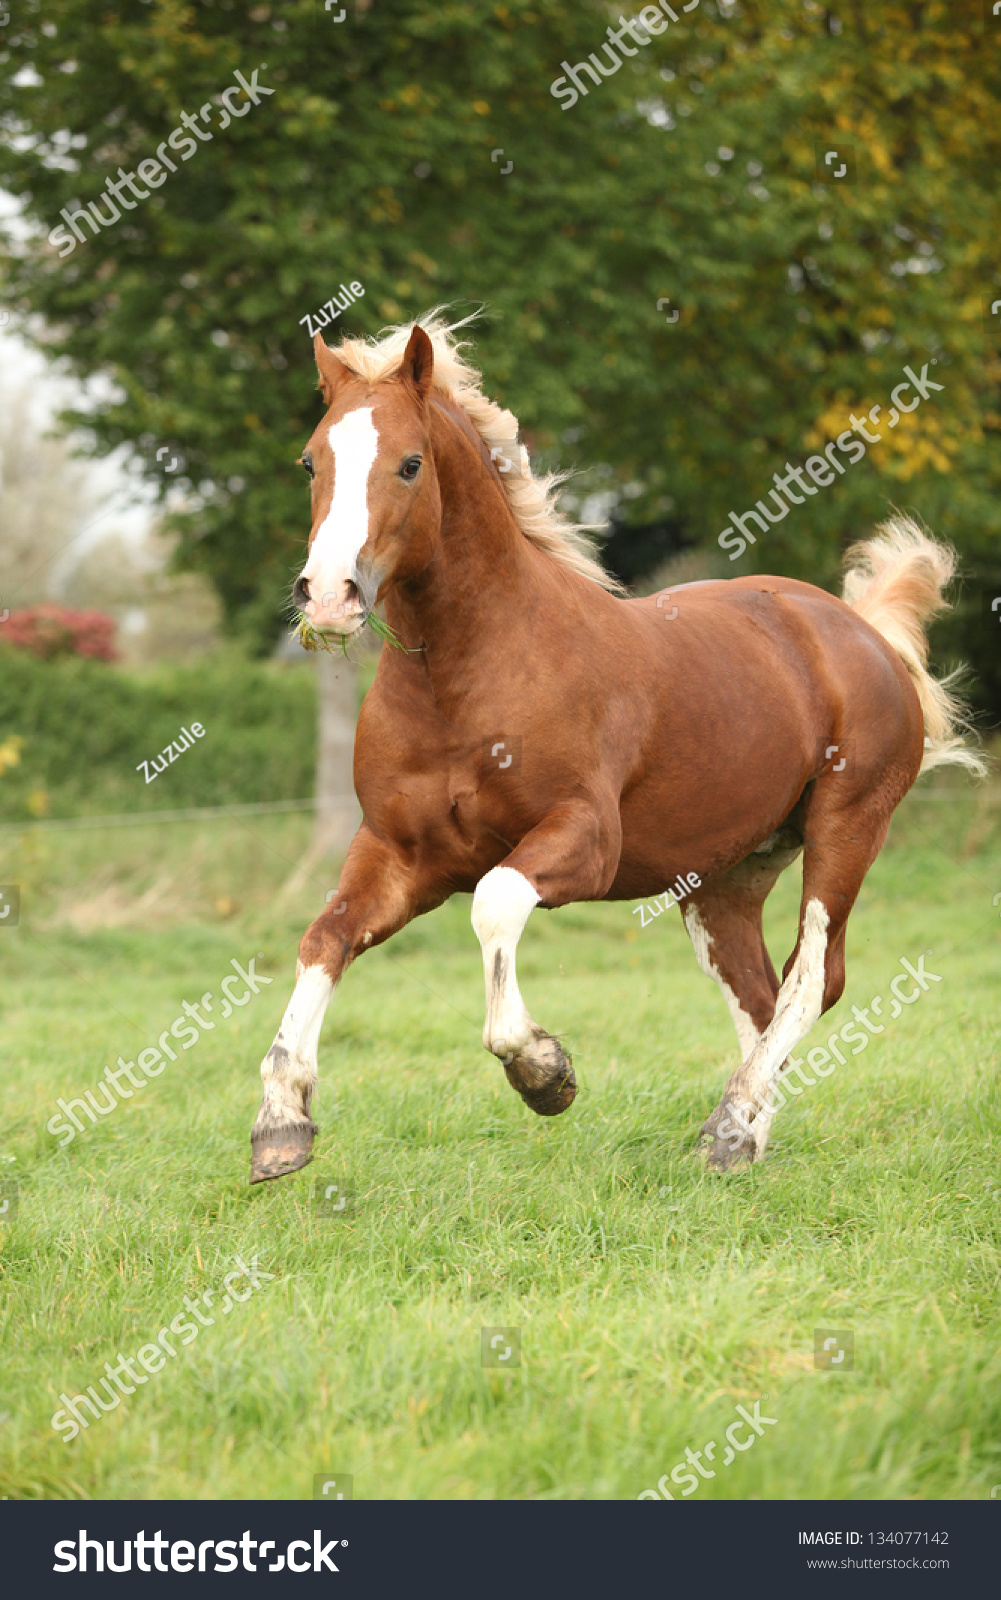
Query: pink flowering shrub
[51, 630]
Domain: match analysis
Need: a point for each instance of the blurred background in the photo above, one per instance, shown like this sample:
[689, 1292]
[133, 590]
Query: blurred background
[677, 298]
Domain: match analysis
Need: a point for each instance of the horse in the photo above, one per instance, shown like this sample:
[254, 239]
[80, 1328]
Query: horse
[539, 738]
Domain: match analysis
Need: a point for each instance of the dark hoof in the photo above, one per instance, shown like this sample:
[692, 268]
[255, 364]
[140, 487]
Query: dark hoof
[278, 1151]
[726, 1144]
[543, 1075]
[721, 1157]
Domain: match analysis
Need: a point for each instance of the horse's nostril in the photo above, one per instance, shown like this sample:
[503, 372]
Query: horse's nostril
[300, 592]
[351, 595]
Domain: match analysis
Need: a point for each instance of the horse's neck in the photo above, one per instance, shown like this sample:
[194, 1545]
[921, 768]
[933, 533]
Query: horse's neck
[484, 564]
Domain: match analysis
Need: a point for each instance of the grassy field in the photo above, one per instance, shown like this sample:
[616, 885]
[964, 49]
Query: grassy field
[651, 1297]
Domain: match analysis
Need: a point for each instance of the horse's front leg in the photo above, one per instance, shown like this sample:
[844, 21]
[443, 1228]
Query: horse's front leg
[572, 855]
[374, 898]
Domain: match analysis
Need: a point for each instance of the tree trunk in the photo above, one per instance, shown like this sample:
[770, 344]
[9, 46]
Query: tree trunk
[337, 811]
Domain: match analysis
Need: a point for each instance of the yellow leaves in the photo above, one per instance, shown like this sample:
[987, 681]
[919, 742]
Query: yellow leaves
[481, 108]
[39, 803]
[252, 421]
[830, 423]
[388, 209]
[10, 752]
[411, 95]
[426, 265]
[920, 440]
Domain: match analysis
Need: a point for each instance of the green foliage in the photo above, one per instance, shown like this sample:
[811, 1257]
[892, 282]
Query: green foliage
[800, 301]
[86, 727]
[651, 1296]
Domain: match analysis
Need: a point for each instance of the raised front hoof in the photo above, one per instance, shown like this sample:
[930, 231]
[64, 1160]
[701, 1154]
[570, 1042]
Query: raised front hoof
[543, 1075]
[278, 1151]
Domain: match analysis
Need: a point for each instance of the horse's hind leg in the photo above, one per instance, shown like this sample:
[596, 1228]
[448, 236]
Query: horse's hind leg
[723, 921]
[843, 834]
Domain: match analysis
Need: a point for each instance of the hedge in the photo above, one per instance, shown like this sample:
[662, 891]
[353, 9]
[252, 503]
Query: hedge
[88, 726]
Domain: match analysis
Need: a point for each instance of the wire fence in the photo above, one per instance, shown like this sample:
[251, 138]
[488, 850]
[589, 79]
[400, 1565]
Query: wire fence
[137, 819]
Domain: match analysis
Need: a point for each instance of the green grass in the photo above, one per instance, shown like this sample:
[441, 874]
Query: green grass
[651, 1296]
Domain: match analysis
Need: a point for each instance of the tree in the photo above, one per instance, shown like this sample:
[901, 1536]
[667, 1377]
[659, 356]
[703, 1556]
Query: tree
[691, 176]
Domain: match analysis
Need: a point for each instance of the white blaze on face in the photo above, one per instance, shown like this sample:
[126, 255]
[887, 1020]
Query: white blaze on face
[333, 557]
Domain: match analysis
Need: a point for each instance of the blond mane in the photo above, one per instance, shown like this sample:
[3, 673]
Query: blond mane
[532, 499]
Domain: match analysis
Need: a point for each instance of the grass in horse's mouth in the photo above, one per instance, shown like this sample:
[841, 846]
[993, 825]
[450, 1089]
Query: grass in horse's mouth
[312, 639]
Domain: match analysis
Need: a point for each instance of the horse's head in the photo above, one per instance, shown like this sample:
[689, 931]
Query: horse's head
[376, 506]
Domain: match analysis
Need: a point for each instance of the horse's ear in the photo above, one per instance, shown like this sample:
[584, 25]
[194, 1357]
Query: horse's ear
[332, 370]
[418, 364]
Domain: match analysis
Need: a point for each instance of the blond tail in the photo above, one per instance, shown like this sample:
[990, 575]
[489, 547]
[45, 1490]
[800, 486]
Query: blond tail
[895, 581]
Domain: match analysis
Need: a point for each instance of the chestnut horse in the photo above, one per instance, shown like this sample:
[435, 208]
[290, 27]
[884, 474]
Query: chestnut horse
[541, 739]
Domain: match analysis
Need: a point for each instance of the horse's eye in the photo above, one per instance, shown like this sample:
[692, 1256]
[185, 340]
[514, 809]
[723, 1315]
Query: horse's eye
[307, 461]
[410, 468]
